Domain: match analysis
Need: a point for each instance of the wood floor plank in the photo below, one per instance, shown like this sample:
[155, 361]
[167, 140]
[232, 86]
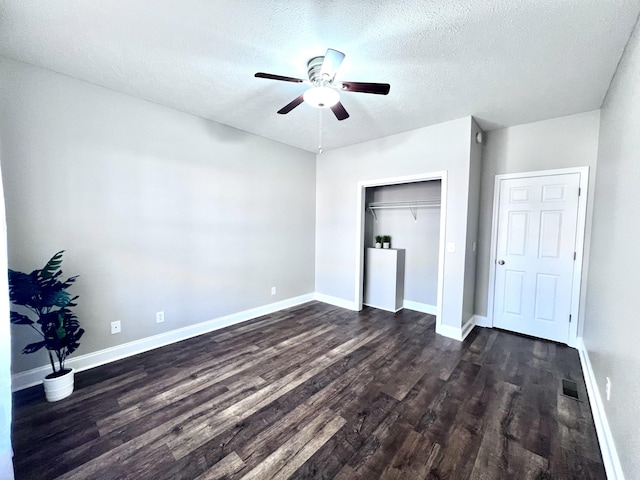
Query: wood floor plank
[193, 433]
[414, 458]
[439, 417]
[493, 461]
[575, 432]
[157, 432]
[77, 402]
[566, 464]
[374, 455]
[224, 469]
[457, 455]
[283, 462]
[319, 392]
[185, 388]
[479, 347]
[215, 370]
[335, 392]
[258, 435]
[364, 414]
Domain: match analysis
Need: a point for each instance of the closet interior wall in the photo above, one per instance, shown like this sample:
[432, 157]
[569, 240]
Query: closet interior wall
[420, 238]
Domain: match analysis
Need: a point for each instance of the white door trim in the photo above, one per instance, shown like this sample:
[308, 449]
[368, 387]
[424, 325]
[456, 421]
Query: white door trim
[580, 231]
[360, 216]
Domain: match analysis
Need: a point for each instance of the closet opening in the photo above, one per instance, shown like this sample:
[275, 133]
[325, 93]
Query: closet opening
[407, 274]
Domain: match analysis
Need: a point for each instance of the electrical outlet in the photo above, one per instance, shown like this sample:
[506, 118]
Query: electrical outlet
[116, 327]
[608, 389]
[273, 290]
[159, 317]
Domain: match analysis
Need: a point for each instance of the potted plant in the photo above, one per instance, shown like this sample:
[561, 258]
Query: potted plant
[44, 294]
[378, 241]
[386, 241]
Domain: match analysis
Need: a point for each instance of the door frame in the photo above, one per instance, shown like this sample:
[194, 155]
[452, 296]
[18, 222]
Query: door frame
[572, 340]
[360, 218]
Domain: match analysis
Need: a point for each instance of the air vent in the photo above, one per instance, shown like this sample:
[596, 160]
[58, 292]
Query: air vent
[570, 389]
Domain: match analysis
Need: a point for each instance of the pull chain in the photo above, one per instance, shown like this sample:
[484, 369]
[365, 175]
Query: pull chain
[320, 131]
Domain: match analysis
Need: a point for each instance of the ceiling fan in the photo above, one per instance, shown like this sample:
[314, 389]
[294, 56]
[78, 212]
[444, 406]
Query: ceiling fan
[324, 91]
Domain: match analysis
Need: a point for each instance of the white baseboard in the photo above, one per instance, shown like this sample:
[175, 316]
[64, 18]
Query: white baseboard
[101, 357]
[482, 321]
[457, 333]
[338, 302]
[382, 308]
[605, 439]
[467, 327]
[448, 331]
[420, 307]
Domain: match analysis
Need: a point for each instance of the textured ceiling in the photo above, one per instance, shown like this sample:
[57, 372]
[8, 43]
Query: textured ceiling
[506, 62]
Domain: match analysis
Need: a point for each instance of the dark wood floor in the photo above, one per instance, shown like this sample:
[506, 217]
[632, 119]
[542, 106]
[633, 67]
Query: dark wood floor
[319, 392]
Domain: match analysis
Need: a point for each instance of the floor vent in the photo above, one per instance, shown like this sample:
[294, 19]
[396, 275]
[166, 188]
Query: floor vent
[570, 389]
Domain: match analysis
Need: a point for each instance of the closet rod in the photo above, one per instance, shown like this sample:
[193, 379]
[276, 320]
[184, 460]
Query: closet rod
[412, 205]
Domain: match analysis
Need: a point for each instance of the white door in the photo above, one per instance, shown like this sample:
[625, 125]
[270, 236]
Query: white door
[537, 222]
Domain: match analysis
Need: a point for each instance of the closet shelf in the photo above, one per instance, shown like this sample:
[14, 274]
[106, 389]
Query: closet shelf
[412, 206]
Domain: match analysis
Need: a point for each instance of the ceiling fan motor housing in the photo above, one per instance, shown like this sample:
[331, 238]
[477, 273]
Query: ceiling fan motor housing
[321, 95]
[314, 67]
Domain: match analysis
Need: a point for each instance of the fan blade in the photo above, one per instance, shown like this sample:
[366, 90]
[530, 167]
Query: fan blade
[363, 87]
[271, 76]
[291, 105]
[331, 63]
[339, 111]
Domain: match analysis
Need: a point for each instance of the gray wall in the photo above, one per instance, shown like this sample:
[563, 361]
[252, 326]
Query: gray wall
[420, 238]
[611, 332]
[570, 141]
[440, 147]
[475, 167]
[157, 209]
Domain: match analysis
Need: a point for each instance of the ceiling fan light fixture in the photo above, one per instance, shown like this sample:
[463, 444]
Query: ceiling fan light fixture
[325, 91]
[321, 97]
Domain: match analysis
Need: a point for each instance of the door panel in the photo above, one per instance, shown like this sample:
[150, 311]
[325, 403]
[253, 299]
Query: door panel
[550, 234]
[517, 231]
[546, 292]
[537, 221]
[513, 292]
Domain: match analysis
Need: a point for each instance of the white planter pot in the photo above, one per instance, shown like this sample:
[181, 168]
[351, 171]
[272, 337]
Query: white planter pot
[378, 245]
[60, 387]
[386, 245]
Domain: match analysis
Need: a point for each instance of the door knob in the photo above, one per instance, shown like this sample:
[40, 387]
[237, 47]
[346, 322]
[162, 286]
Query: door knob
[500, 262]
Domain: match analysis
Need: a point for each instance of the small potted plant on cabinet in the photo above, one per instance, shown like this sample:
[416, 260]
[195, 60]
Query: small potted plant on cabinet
[44, 294]
[378, 241]
[386, 241]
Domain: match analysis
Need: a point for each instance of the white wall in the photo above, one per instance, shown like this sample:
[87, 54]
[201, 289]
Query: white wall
[420, 238]
[6, 453]
[612, 330]
[570, 141]
[156, 209]
[436, 148]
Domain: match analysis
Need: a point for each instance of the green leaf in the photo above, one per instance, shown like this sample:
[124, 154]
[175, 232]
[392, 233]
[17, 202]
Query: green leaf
[49, 323]
[61, 331]
[69, 281]
[55, 297]
[52, 266]
[24, 288]
[33, 347]
[20, 319]
[73, 342]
